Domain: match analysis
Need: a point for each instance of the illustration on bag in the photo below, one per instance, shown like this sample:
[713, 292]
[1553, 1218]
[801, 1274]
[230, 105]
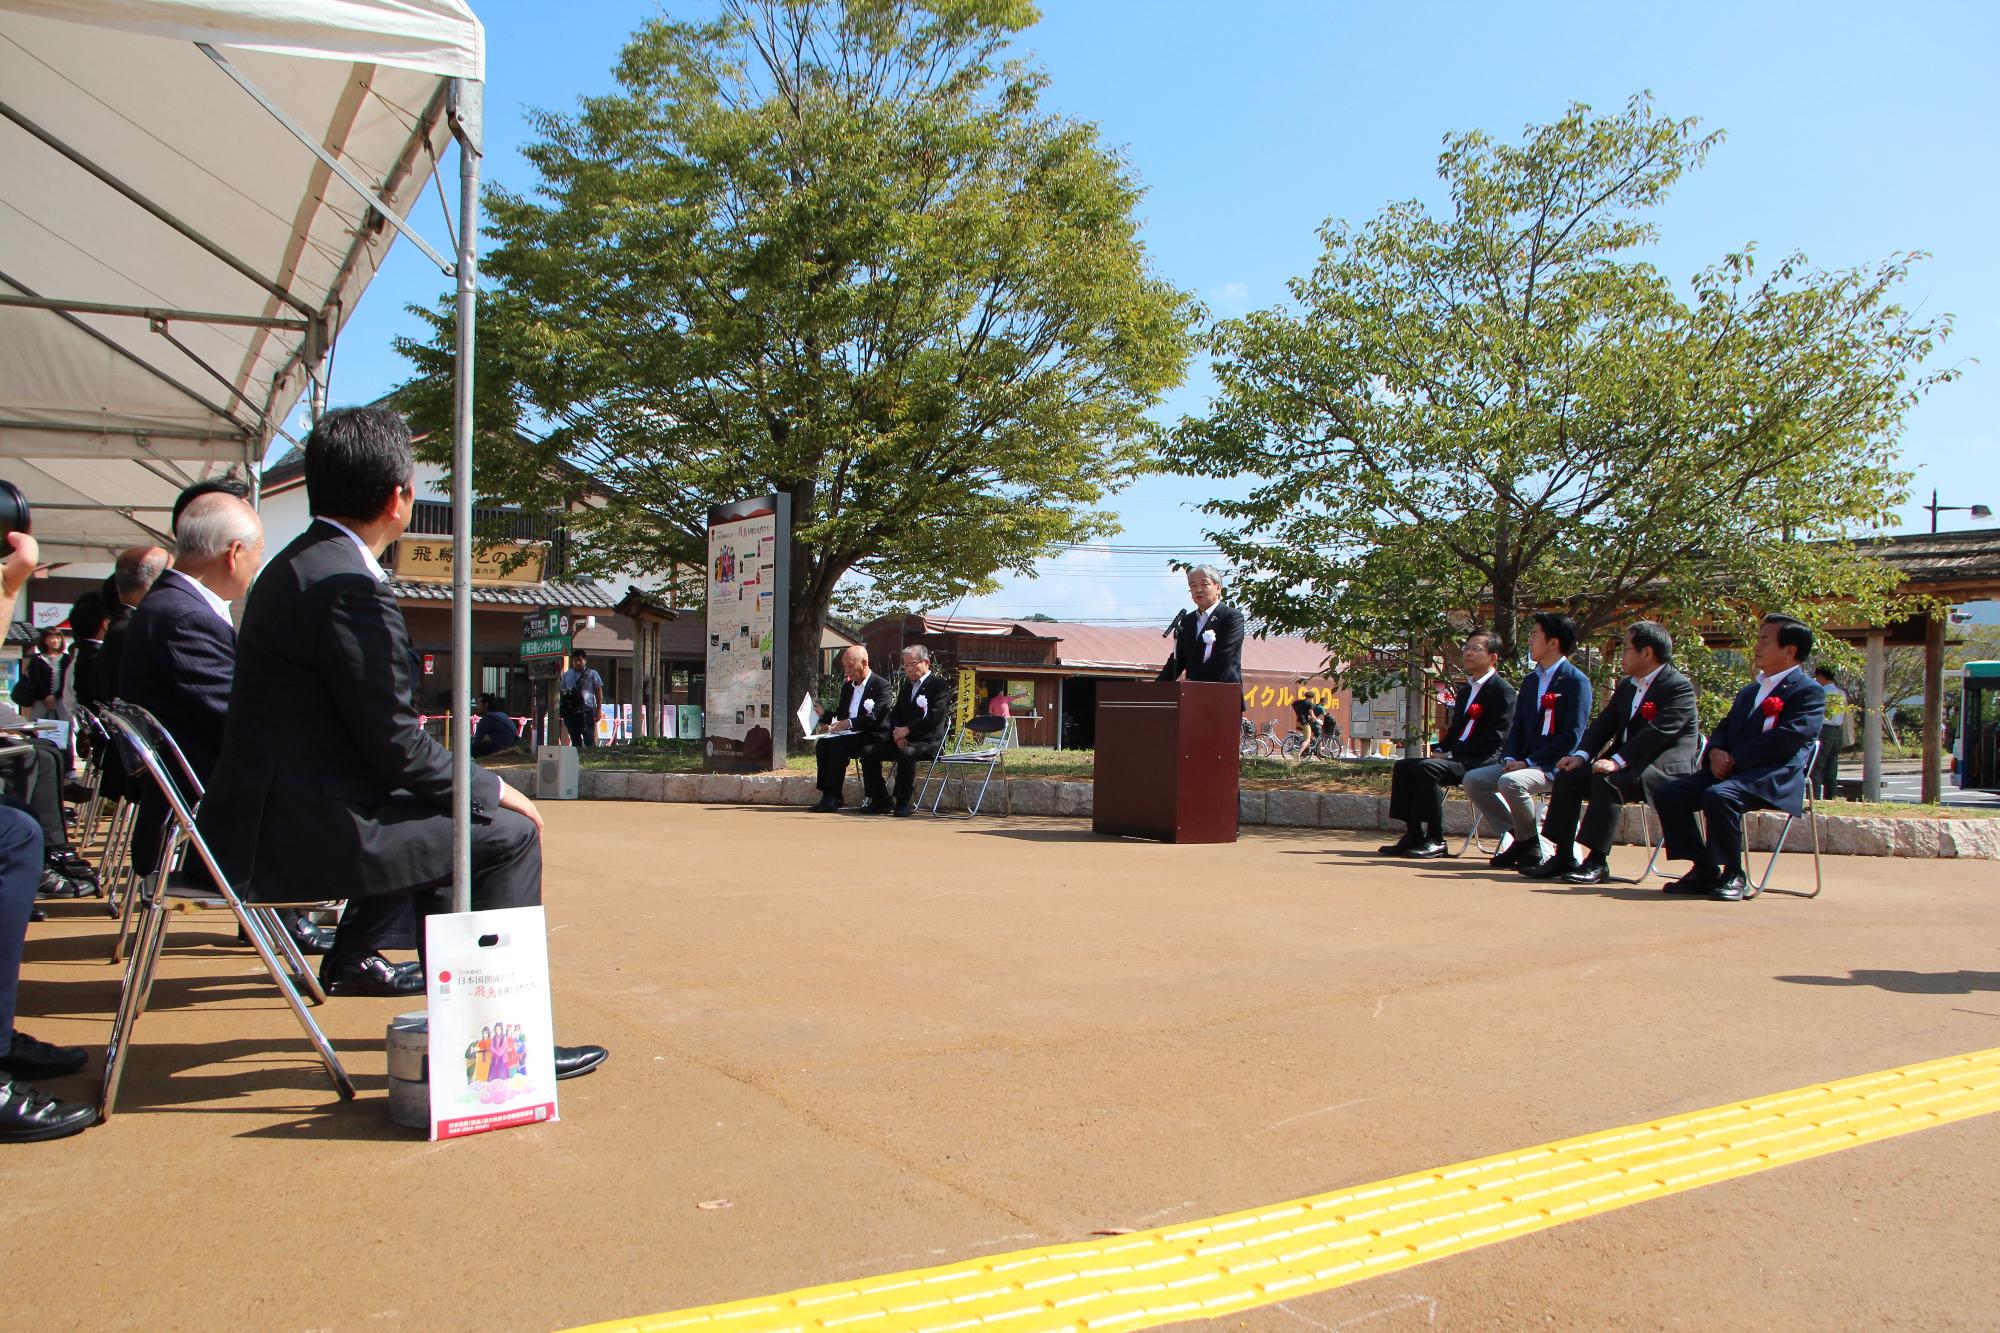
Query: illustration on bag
[496, 1065]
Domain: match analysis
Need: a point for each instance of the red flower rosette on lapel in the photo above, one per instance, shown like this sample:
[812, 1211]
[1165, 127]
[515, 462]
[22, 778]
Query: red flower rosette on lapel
[1473, 711]
[1772, 706]
[1549, 701]
[1648, 710]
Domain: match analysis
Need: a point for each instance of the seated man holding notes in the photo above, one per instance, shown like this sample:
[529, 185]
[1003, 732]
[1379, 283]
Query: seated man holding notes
[916, 726]
[1756, 761]
[1645, 735]
[860, 719]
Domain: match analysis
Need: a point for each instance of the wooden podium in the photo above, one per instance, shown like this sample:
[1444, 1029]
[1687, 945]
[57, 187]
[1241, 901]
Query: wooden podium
[1167, 763]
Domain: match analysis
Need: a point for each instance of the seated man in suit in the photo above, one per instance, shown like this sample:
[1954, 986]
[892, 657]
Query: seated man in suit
[860, 719]
[179, 657]
[1548, 721]
[1756, 760]
[916, 724]
[26, 1116]
[496, 731]
[1468, 738]
[1208, 645]
[327, 786]
[132, 577]
[1645, 735]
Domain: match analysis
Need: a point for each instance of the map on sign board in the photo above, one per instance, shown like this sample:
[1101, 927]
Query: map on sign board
[742, 633]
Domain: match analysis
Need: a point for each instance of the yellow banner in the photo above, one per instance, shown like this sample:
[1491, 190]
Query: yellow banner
[968, 689]
[429, 561]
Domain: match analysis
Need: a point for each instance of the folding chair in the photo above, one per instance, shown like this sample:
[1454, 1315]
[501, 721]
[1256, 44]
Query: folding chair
[979, 743]
[1656, 837]
[164, 889]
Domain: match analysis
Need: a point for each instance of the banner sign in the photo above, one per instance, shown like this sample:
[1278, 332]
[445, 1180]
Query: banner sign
[428, 560]
[749, 610]
[967, 698]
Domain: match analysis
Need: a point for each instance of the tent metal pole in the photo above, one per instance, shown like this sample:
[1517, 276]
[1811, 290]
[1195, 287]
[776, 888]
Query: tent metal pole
[467, 125]
[141, 432]
[161, 313]
[334, 164]
[112, 182]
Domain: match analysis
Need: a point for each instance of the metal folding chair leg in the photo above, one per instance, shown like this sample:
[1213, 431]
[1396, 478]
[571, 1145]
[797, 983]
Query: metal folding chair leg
[1472, 836]
[1819, 882]
[132, 997]
[273, 926]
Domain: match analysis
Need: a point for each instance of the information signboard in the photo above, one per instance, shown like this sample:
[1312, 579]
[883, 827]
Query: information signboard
[545, 633]
[746, 709]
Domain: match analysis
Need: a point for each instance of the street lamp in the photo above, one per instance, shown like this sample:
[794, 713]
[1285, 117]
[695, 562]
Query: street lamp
[1977, 511]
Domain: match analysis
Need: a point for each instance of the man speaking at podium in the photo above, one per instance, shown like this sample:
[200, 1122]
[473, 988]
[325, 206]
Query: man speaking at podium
[1208, 641]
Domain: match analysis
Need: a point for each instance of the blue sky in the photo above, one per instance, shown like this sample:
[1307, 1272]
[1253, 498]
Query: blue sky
[1853, 131]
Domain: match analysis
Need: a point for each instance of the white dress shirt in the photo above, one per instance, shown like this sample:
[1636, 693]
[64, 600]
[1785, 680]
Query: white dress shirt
[1765, 684]
[367, 556]
[1470, 695]
[854, 704]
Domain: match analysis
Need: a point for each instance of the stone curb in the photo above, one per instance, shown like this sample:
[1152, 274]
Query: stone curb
[1843, 835]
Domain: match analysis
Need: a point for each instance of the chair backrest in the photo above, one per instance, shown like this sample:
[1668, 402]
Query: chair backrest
[164, 744]
[180, 826]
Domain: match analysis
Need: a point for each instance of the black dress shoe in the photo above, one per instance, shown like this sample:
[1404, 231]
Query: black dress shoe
[55, 884]
[1401, 846]
[904, 811]
[825, 805]
[871, 806]
[28, 1058]
[1733, 887]
[27, 1116]
[1508, 857]
[1426, 851]
[313, 940]
[37, 914]
[576, 1061]
[372, 975]
[73, 867]
[1592, 871]
[1702, 879]
[1549, 867]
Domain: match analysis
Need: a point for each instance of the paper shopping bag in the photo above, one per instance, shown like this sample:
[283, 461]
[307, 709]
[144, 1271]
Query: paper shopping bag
[492, 1037]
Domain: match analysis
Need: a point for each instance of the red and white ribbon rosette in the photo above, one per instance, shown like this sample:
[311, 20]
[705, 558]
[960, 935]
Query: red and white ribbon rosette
[1472, 712]
[1773, 706]
[1549, 701]
[1648, 710]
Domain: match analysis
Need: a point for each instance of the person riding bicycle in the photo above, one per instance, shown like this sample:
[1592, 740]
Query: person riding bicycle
[1311, 716]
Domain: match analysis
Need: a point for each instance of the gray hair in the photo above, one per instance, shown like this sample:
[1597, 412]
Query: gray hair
[137, 569]
[213, 523]
[1209, 572]
[918, 651]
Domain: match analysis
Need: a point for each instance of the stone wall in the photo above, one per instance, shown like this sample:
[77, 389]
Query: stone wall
[1843, 835]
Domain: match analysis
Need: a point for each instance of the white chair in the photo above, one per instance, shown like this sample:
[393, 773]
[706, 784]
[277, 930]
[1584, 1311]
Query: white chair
[1656, 838]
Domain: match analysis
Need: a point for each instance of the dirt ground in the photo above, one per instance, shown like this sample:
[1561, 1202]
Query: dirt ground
[894, 1043]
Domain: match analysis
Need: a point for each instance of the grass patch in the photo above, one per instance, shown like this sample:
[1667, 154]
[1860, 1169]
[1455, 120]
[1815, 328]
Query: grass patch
[1908, 810]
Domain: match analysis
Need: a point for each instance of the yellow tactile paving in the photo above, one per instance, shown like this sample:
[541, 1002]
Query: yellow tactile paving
[1198, 1269]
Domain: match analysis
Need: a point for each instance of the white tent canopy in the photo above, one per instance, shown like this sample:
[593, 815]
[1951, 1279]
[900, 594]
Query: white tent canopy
[193, 195]
[175, 261]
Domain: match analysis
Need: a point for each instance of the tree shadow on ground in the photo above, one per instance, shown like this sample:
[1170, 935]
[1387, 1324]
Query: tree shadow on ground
[1960, 982]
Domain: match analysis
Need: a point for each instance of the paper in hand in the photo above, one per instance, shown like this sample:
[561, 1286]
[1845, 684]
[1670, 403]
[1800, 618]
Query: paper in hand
[809, 715]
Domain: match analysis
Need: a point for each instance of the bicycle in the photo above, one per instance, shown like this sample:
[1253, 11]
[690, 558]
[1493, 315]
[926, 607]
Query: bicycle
[1255, 744]
[1325, 745]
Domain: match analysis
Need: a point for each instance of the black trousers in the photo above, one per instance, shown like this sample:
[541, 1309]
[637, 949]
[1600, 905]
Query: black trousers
[1721, 805]
[20, 873]
[506, 872]
[1567, 820]
[1416, 793]
[834, 752]
[1826, 773]
[906, 758]
[35, 780]
[582, 729]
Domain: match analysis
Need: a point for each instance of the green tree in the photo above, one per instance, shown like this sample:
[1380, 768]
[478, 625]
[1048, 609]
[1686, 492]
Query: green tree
[1499, 408]
[834, 250]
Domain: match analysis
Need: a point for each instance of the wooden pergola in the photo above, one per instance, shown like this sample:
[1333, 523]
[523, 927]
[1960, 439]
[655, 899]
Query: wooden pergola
[1952, 567]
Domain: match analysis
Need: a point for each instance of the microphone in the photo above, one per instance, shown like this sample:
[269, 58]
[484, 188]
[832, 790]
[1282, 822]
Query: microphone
[1180, 618]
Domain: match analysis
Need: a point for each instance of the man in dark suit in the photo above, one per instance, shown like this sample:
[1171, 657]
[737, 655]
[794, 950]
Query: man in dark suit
[1756, 761]
[1548, 721]
[327, 786]
[860, 719]
[132, 577]
[916, 724]
[1468, 738]
[1208, 642]
[1645, 735]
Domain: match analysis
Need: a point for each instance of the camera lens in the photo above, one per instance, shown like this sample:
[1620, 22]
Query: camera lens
[14, 516]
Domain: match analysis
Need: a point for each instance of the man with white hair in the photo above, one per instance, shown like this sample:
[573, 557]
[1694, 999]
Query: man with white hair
[916, 726]
[1208, 644]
